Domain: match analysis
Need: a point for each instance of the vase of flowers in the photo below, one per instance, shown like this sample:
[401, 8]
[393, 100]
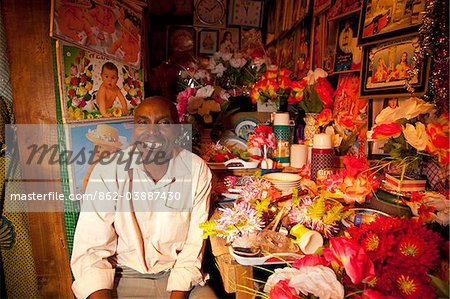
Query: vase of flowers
[311, 127]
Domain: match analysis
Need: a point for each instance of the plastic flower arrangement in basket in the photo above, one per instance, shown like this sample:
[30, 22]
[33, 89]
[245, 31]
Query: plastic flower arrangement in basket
[202, 104]
[263, 138]
[412, 137]
[313, 93]
[430, 206]
[318, 214]
[275, 85]
[354, 183]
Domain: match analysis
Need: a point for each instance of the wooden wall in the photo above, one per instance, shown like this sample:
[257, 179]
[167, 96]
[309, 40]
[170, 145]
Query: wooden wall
[32, 78]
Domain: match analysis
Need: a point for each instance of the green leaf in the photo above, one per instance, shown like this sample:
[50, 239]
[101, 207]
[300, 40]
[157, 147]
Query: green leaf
[442, 288]
[87, 96]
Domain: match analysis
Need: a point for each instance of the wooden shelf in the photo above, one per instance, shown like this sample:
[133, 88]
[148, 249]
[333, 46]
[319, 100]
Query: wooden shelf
[341, 16]
[343, 72]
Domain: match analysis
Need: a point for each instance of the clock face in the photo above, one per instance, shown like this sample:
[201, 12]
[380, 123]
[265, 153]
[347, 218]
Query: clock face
[210, 12]
[247, 13]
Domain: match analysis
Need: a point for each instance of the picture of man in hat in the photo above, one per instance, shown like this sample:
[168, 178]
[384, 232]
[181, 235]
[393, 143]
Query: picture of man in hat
[141, 238]
[106, 141]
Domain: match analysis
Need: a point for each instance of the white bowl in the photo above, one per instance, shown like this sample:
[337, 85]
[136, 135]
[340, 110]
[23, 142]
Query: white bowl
[281, 177]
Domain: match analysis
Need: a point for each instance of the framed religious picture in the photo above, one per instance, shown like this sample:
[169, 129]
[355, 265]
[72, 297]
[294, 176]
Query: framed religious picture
[247, 13]
[229, 39]
[347, 53]
[180, 39]
[388, 19]
[387, 66]
[302, 54]
[92, 141]
[95, 86]
[208, 41]
[111, 28]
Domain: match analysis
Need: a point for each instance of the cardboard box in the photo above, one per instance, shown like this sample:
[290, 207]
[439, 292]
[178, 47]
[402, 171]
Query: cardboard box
[406, 184]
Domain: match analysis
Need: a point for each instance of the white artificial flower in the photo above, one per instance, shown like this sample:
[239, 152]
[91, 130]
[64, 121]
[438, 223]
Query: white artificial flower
[202, 74]
[237, 62]
[319, 280]
[205, 91]
[409, 109]
[312, 77]
[280, 274]
[225, 56]
[416, 136]
[218, 70]
[437, 200]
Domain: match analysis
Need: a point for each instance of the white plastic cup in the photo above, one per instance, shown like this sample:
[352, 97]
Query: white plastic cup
[299, 155]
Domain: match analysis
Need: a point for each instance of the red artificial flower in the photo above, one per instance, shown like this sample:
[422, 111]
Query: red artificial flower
[439, 140]
[263, 129]
[373, 294]
[284, 72]
[269, 75]
[325, 117]
[284, 82]
[347, 123]
[74, 81]
[310, 260]
[325, 92]
[282, 290]
[354, 166]
[83, 79]
[72, 92]
[413, 286]
[220, 157]
[350, 255]
[416, 196]
[385, 131]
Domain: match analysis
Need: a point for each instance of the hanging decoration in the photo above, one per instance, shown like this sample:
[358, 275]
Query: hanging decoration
[433, 40]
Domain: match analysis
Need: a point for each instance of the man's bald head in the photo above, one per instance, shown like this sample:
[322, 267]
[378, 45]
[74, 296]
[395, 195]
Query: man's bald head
[157, 106]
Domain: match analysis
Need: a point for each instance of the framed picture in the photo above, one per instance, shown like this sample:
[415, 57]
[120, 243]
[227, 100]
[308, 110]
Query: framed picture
[88, 92]
[230, 39]
[208, 41]
[111, 28]
[246, 13]
[347, 53]
[386, 66]
[251, 41]
[319, 41]
[180, 39]
[89, 142]
[300, 11]
[302, 54]
[388, 19]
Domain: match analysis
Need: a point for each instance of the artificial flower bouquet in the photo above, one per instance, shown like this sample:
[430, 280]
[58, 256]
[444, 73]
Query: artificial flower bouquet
[430, 206]
[276, 86]
[202, 104]
[354, 183]
[413, 136]
[388, 258]
[218, 153]
[313, 93]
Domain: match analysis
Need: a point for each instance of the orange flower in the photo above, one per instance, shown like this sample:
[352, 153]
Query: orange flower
[385, 131]
[325, 117]
[269, 75]
[438, 143]
[356, 189]
[284, 82]
[284, 72]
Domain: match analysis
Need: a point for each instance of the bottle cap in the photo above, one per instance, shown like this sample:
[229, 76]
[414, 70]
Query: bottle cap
[322, 141]
[281, 119]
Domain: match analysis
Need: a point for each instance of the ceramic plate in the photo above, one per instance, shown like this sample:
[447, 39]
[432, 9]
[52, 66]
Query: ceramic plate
[216, 165]
[244, 126]
[234, 141]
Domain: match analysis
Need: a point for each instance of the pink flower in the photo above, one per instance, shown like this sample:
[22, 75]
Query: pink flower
[282, 290]
[182, 100]
[309, 260]
[73, 70]
[350, 255]
[372, 294]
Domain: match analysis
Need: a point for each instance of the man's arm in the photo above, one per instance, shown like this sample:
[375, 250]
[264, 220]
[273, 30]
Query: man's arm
[95, 240]
[186, 272]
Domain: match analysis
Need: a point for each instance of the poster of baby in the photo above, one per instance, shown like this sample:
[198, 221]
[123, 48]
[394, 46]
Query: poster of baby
[97, 87]
[108, 27]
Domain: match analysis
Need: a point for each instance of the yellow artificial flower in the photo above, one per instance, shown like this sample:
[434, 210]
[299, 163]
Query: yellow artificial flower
[125, 76]
[81, 91]
[67, 80]
[117, 112]
[99, 115]
[88, 86]
[89, 73]
[90, 116]
[126, 87]
[132, 92]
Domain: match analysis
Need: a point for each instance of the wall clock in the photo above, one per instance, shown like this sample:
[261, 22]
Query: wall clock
[246, 13]
[210, 13]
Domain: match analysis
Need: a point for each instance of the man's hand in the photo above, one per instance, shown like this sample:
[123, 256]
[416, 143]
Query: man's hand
[101, 294]
[179, 295]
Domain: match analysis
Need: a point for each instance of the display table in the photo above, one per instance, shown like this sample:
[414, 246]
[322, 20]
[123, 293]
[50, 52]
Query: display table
[236, 278]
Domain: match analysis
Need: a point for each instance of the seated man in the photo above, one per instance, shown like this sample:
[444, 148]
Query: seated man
[139, 236]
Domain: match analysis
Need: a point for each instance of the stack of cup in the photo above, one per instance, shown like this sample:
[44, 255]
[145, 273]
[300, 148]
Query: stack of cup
[321, 157]
[282, 133]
